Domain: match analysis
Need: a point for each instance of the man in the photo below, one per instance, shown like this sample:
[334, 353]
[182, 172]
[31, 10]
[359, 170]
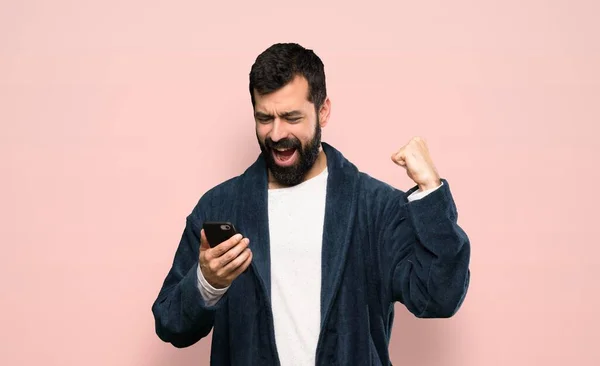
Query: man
[327, 249]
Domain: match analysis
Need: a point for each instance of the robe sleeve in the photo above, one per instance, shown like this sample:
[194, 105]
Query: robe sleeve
[181, 316]
[425, 254]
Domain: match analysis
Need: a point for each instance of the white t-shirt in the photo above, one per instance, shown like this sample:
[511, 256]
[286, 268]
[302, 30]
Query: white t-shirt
[296, 218]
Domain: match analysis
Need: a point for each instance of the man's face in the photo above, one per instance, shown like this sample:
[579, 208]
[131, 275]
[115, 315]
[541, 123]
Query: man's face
[288, 131]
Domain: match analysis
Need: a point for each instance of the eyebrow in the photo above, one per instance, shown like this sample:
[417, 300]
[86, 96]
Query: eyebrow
[290, 114]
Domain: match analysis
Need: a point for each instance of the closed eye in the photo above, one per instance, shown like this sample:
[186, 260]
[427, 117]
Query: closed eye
[290, 117]
[262, 117]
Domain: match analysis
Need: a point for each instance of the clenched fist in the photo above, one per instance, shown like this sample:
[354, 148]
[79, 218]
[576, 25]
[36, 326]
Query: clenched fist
[414, 157]
[223, 263]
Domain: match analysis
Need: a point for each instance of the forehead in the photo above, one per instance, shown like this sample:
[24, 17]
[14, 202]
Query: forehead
[293, 95]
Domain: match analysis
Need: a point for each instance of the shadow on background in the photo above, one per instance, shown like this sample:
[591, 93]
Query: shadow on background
[422, 342]
[167, 355]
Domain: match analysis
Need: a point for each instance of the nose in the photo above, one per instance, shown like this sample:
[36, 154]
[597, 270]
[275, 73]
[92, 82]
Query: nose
[278, 132]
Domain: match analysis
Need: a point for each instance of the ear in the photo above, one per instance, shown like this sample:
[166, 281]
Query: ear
[325, 112]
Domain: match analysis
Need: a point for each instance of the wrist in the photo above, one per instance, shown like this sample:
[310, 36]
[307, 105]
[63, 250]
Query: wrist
[429, 185]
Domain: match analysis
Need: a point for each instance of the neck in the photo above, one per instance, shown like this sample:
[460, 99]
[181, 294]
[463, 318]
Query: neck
[317, 168]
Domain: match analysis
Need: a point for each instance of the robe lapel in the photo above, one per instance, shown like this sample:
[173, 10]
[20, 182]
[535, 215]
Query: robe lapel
[339, 218]
[254, 220]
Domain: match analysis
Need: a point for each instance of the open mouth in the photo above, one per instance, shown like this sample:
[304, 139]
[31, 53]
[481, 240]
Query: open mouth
[284, 157]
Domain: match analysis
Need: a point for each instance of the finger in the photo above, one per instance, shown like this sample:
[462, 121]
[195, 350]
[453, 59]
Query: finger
[237, 262]
[234, 252]
[243, 266]
[398, 158]
[223, 247]
[400, 162]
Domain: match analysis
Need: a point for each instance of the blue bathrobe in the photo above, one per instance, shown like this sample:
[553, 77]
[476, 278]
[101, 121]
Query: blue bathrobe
[377, 249]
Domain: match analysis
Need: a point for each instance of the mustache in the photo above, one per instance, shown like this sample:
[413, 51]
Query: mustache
[283, 144]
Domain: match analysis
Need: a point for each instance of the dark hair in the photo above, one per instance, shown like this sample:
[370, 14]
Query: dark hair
[280, 63]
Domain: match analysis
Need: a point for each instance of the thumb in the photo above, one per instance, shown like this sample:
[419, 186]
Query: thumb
[399, 159]
[203, 241]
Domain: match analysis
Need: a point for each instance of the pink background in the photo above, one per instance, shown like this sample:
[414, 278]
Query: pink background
[117, 115]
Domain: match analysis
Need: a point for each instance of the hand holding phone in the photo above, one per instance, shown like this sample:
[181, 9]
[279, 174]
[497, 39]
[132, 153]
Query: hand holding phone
[226, 257]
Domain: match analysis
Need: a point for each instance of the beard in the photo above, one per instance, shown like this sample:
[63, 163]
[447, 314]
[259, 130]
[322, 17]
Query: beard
[307, 156]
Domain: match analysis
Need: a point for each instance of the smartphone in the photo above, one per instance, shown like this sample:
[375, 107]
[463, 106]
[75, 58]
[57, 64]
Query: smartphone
[218, 231]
